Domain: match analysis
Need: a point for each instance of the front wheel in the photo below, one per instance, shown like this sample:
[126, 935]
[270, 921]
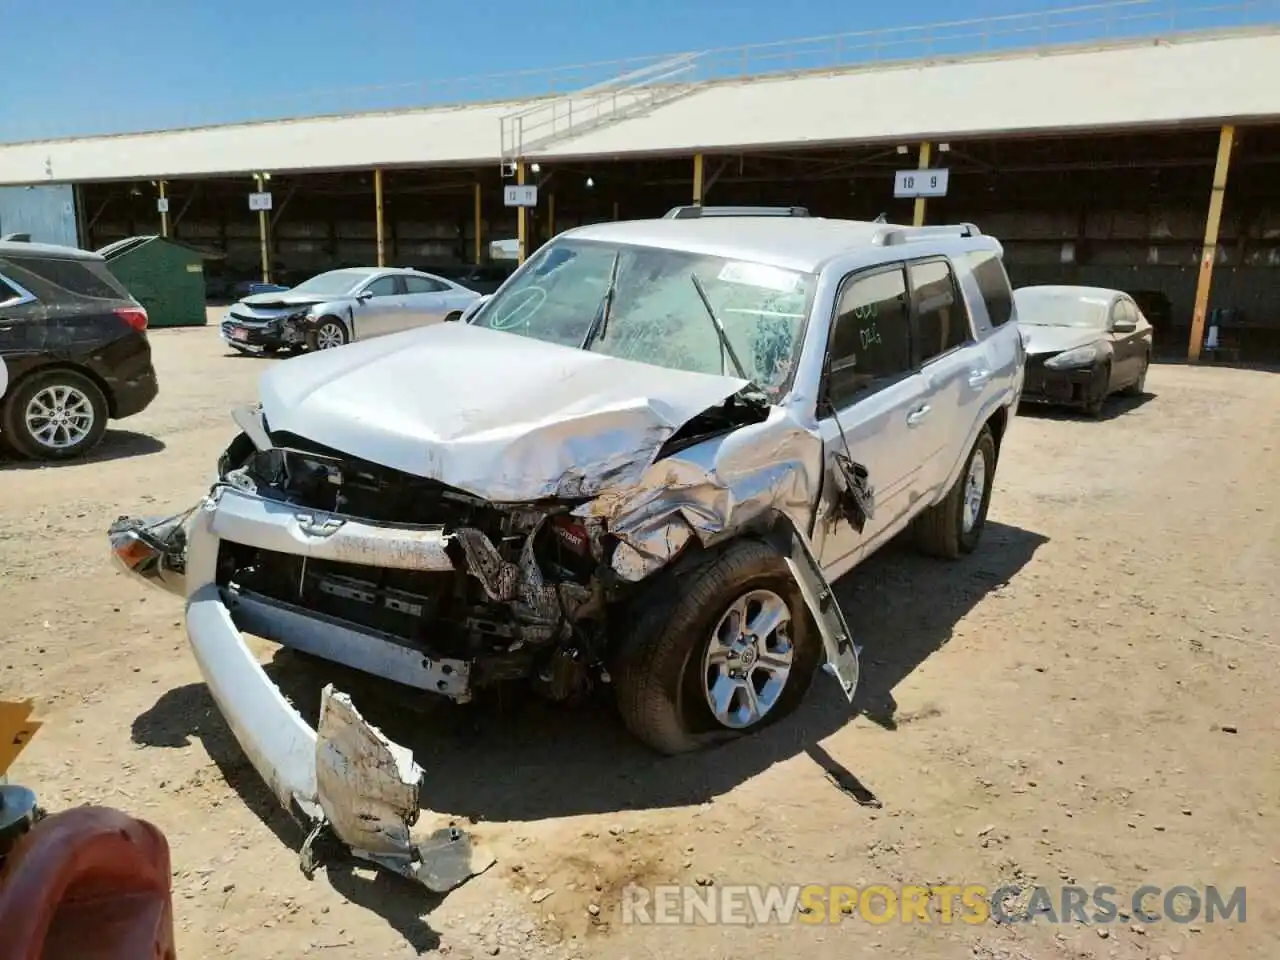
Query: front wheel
[723, 646]
[329, 335]
[55, 415]
[953, 527]
[1139, 387]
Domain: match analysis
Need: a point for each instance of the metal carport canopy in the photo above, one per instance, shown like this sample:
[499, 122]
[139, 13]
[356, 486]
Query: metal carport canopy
[1188, 80]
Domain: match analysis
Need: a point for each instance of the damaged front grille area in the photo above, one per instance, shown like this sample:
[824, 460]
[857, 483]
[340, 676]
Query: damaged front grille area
[524, 581]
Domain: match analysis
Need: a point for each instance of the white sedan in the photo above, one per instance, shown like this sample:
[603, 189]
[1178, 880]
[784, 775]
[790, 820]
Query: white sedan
[339, 306]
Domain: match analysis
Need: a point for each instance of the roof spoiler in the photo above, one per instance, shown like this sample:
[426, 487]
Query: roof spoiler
[899, 235]
[697, 212]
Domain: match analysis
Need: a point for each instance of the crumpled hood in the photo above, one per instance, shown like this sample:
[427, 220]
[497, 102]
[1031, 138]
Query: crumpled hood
[501, 416]
[286, 298]
[1040, 340]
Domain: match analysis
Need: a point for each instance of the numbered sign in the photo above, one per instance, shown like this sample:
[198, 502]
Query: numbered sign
[162, 204]
[921, 183]
[526, 196]
[260, 201]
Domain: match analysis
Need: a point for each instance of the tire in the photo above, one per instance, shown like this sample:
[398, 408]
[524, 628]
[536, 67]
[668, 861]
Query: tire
[943, 530]
[329, 334]
[660, 665]
[64, 393]
[1139, 387]
[1094, 407]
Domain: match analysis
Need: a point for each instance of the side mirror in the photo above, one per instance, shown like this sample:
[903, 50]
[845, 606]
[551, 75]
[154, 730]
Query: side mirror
[1124, 326]
[365, 295]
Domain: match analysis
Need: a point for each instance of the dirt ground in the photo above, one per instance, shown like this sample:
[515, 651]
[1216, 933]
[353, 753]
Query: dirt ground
[1092, 697]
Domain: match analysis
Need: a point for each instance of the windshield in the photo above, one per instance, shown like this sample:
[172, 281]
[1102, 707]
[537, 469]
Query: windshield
[334, 283]
[657, 315]
[1060, 308]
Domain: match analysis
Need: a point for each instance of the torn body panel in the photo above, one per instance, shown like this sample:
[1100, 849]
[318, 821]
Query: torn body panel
[715, 489]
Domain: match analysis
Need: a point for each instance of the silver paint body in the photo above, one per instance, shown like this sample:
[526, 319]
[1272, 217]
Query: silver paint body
[380, 301]
[513, 420]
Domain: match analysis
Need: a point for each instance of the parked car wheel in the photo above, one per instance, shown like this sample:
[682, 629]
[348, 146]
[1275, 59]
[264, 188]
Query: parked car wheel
[54, 415]
[1139, 387]
[723, 646]
[953, 527]
[329, 334]
[1094, 407]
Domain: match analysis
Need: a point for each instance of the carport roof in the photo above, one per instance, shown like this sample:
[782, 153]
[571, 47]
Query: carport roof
[1192, 79]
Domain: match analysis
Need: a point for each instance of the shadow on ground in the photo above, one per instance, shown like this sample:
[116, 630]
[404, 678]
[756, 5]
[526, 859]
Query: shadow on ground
[524, 759]
[1116, 406]
[115, 445]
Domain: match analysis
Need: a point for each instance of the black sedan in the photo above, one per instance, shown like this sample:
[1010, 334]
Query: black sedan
[1083, 344]
[73, 350]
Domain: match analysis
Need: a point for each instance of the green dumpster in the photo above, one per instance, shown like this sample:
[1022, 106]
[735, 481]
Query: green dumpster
[164, 276]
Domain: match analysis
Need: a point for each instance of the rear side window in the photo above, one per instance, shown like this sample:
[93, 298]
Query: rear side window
[423, 285]
[871, 342]
[942, 323]
[8, 294]
[993, 284]
[80, 277]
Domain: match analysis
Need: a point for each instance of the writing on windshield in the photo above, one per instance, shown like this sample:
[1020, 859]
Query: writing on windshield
[657, 315]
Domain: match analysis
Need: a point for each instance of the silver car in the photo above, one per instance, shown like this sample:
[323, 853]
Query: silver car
[337, 307]
[640, 464]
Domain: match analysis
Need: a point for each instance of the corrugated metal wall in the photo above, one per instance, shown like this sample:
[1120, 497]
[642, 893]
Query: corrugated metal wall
[47, 213]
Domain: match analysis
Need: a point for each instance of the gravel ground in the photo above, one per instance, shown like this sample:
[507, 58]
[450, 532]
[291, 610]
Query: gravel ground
[1089, 698]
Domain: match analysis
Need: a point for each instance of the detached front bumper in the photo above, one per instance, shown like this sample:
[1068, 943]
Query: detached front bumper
[275, 334]
[346, 776]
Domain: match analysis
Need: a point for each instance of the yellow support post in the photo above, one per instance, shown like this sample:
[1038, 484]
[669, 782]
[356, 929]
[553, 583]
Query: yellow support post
[478, 213]
[522, 219]
[697, 180]
[164, 213]
[377, 202]
[261, 234]
[926, 151]
[551, 215]
[1226, 141]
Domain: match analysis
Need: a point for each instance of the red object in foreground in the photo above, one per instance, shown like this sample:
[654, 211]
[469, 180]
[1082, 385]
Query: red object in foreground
[90, 883]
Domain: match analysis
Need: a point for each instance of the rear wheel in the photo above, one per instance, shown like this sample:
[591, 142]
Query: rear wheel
[54, 415]
[723, 646]
[953, 527]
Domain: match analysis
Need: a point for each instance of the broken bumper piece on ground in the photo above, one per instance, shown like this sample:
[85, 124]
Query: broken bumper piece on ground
[345, 778]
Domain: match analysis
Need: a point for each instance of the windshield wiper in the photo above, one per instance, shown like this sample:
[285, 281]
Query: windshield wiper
[726, 346]
[601, 320]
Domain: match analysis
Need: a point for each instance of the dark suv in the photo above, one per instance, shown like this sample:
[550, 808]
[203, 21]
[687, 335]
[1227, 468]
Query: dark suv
[73, 350]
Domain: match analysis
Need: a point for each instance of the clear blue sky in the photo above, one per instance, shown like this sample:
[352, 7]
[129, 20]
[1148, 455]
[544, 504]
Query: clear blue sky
[94, 66]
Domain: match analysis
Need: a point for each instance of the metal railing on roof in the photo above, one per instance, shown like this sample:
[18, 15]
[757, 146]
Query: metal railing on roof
[1111, 21]
[573, 114]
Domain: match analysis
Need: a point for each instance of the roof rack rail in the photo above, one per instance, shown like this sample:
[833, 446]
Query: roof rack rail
[16, 238]
[695, 212]
[906, 234]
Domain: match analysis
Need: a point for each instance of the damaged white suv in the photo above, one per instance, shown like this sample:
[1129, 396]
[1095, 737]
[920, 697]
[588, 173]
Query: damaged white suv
[641, 462]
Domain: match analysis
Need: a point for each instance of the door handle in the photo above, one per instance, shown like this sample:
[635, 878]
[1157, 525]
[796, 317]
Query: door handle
[915, 417]
[978, 378]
